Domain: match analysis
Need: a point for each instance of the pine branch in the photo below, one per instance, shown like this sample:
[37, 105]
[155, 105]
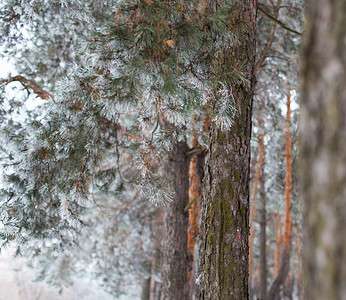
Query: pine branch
[28, 84]
[195, 150]
[282, 25]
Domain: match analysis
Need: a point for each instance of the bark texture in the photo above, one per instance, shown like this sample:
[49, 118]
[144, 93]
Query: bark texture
[176, 226]
[323, 155]
[223, 264]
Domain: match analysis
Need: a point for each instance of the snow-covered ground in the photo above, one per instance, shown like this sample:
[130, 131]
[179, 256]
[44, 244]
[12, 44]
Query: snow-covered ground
[16, 283]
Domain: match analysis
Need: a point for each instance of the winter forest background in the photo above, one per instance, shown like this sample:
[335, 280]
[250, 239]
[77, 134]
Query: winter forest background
[180, 149]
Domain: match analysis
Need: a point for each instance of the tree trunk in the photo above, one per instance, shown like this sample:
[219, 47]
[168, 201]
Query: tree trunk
[157, 235]
[278, 244]
[223, 264]
[263, 234]
[176, 225]
[323, 155]
[152, 288]
[253, 211]
[145, 289]
[285, 257]
[299, 274]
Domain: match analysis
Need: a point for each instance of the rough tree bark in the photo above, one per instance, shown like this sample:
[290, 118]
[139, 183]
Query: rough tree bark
[223, 264]
[323, 155]
[176, 226]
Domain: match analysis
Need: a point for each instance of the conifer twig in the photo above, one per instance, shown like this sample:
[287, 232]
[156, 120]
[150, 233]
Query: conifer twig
[190, 203]
[194, 150]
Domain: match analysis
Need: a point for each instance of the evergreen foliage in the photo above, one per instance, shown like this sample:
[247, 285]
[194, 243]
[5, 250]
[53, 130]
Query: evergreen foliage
[138, 72]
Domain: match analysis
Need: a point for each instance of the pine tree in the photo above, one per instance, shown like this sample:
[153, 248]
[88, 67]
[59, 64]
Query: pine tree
[223, 266]
[126, 103]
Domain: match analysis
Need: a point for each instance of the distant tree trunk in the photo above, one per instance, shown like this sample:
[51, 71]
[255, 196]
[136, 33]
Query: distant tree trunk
[176, 226]
[252, 209]
[299, 272]
[152, 287]
[278, 244]
[195, 195]
[145, 289]
[223, 264]
[263, 225]
[323, 150]
[290, 279]
[274, 292]
[157, 234]
[259, 178]
[155, 262]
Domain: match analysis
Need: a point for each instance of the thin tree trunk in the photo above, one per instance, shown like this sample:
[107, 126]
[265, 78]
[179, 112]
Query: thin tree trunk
[323, 154]
[263, 234]
[299, 272]
[176, 226]
[278, 244]
[253, 212]
[158, 233]
[145, 289]
[252, 209]
[289, 283]
[285, 257]
[288, 185]
[223, 263]
[152, 292]
[291, 273]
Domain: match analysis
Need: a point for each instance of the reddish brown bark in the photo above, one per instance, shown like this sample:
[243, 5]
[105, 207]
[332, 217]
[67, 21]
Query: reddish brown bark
[195, 194]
